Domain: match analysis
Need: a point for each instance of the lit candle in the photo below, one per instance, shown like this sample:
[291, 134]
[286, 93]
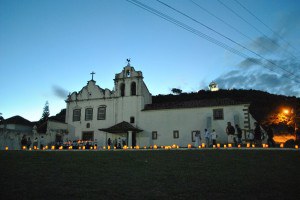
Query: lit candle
[239, 146]
[229, 145]
[253, 145]
[214, 146]
[53, 147]
[203, 145]
[296, 147]
[6, 148]
[218, 145]
[189, 146]
[155, 146]
[248, 145]
[281, 145]
[108, 147]
[225, 146]
[83, 147]
[24, 147]
[137, 147]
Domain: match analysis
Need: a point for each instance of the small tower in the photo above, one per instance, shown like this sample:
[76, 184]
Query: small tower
[213, 86]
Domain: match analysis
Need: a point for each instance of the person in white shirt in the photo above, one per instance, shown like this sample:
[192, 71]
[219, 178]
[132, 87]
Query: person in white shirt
[214, 137]
[207, 137]
[197, 139]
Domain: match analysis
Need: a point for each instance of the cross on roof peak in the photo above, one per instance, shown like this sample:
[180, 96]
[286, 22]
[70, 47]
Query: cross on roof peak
[93, 75]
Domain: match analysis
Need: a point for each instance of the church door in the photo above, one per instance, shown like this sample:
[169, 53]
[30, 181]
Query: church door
[88, 136]
[133, 139]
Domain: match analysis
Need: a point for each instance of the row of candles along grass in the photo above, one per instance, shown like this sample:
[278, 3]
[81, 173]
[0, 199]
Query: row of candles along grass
[174, 146]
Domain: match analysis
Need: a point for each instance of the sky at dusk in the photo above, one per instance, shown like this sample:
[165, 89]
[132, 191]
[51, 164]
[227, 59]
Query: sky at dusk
[48, 48]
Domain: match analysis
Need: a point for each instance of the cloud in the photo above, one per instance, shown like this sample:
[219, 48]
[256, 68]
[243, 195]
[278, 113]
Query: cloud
[248, 62]
[60, 92]
[265, 45]
[277, 81]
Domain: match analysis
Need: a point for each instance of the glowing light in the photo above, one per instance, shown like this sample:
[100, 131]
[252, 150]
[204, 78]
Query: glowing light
[281, 145]
[248, 145]
[218, 145]
[24, 147]
[6, 148]
[225, 146]
[239, 146]
[52, 147]
[296, 146]
[203, 145]
[214, 146]
[229, 145]
[189, 146]
[155, 146]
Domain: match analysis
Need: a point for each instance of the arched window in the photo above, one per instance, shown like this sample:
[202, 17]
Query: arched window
[122, 89]
[133, 88]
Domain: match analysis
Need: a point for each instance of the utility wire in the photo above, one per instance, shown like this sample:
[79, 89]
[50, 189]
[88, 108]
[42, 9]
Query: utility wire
[200, 34]
[222, 35]
[245, 8]
[223, 21]
[251, 25]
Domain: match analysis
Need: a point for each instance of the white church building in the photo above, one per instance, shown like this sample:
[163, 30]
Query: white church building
[128, 114]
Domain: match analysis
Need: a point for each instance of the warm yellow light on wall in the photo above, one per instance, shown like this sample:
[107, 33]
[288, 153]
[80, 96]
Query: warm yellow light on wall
[281, 145]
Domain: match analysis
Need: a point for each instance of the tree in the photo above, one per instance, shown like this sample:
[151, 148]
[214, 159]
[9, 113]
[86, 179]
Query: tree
[46, 113]
[1, 118]
[176, 91]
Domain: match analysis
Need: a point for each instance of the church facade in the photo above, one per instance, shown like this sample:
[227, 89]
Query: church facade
[127, 114]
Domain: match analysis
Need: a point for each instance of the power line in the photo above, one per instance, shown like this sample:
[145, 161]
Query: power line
[200, 34]
[251, 25]
[222, 35]
[245, 8]
[223, 21]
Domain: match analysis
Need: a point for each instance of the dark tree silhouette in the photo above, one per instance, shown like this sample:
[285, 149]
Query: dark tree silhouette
[46, 113]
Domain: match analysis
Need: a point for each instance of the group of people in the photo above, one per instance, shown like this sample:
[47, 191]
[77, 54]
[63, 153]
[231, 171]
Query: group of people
[118, 143]
[254, 137]
[27, 142]
[210, 138]
[235, 135]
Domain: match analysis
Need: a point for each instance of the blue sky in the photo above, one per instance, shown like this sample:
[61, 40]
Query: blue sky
[49, 48]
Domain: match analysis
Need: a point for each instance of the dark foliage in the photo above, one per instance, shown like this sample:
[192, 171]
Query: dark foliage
[261, 103]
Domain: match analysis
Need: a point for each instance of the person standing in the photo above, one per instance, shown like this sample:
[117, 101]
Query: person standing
[42, 142]
[230, 133]
[257, 134]
[270, 134]
[28, 143]
[239, 134]
[214, 137]
[23, 141]
[207, 137]
[197, 139]
[35, 143]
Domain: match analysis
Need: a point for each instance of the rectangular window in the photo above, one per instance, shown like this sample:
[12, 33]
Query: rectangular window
[218, 114]
[101, 113]
[175, 134]
[88, 114]
[154, 135]
[76, 115]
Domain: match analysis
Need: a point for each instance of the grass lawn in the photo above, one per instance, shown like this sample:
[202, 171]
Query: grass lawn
[167, 174]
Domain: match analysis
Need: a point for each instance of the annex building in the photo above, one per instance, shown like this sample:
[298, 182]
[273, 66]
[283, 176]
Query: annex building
[128, 114]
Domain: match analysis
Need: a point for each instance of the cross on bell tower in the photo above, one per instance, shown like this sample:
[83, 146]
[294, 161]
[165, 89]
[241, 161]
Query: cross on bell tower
[93, 75]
